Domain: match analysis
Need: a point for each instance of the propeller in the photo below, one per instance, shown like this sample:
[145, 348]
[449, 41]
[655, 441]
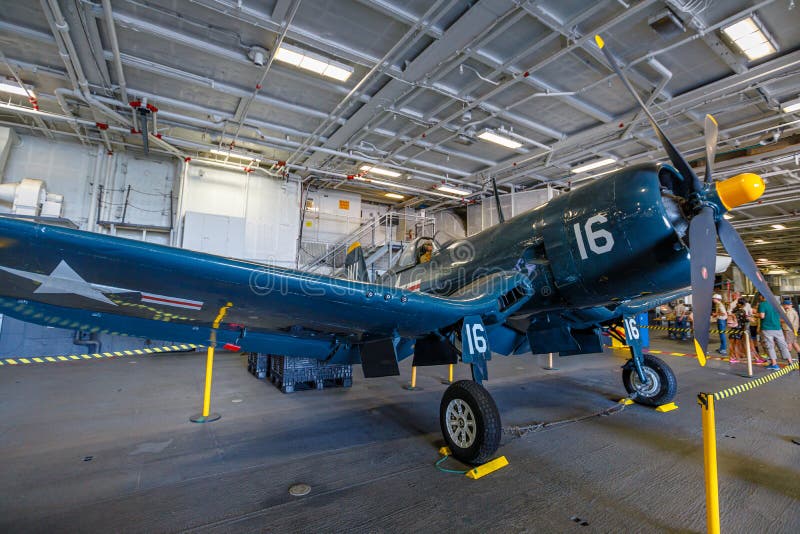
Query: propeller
[708, 201]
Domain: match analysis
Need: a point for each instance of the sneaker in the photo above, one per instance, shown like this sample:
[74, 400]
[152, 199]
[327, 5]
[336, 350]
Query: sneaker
[773, 366]
[733, 360]
[759, 360]
[722, 351]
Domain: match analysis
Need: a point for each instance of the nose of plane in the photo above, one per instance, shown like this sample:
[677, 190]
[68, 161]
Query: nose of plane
[740, 189]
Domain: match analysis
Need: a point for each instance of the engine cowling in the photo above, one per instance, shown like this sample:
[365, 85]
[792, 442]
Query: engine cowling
[618, 237]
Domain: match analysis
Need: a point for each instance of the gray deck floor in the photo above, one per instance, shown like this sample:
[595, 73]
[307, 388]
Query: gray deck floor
[368, 451]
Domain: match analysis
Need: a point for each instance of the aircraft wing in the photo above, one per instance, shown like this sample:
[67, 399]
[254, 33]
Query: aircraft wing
[74, 279]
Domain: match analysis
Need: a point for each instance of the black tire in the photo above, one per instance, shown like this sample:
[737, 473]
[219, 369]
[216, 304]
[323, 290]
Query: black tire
[466, 405]
[661, 391]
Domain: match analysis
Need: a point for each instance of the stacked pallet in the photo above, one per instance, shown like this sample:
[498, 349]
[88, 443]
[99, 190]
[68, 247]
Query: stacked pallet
[290, 374]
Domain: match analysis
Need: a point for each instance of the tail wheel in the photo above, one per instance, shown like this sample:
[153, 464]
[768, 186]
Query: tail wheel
[470, 422]
[661, 384]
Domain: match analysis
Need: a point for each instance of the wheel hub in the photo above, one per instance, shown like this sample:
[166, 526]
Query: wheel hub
[461, 424]
[653, 385]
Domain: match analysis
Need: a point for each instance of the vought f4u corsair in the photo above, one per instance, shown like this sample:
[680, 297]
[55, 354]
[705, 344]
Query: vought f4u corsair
[544, 281]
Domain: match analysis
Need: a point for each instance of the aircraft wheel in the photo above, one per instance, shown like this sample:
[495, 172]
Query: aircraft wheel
[661, 383]
[470, 422]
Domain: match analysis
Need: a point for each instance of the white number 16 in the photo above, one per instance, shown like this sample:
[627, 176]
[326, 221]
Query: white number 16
[594, 237]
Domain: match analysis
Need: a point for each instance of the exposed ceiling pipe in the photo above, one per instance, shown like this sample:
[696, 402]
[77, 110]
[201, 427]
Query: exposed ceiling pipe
[733, 18]
[411, 36]
[69, 55]
[59, 92]
[278, 42]
[31, 96]
[108, 17]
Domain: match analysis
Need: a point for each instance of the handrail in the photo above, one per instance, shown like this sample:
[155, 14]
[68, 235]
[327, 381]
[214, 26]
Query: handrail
[366, 234]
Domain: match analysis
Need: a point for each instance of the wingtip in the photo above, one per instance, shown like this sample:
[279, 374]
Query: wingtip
[701, 355]
[599, 41]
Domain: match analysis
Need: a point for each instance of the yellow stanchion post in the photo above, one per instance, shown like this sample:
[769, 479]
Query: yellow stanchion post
[710, 460]
[413, 384]
[749, 352]
[449, 375]
[206, 416]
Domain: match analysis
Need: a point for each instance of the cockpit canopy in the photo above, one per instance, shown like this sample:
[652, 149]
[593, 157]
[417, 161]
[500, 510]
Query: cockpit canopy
[414, 252]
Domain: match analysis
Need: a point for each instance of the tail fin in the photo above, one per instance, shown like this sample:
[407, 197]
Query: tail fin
[355, 268]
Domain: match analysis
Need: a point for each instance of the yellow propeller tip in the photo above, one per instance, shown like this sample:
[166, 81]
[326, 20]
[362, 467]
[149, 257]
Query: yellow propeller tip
[710, 116]
[701, 356]
[599, 41]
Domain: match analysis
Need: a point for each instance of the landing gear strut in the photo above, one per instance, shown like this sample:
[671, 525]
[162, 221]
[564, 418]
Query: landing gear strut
[470, 422]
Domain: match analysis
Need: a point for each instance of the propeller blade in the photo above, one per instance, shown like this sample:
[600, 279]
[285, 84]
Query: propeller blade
[675, 157]
[741, 257]
[703, 250]
[711, 134]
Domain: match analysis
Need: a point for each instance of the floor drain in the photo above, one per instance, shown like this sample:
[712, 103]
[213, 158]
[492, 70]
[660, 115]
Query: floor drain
[298, 490]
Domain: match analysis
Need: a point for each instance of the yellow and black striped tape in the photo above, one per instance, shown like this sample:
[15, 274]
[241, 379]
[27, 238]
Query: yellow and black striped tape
[98, 355]
[730, 392]
[657, 327]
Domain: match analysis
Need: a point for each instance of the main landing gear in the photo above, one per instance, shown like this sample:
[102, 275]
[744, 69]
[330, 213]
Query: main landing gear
[470, 422]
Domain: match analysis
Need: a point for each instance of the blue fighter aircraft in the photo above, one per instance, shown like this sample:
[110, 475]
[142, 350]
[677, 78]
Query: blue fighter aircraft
[544, 281]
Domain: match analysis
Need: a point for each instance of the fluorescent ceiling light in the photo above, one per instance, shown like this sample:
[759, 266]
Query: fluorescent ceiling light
[749, 38]
[395, 195]
[791, 106]
[315, 63]
[593, 165]
[455, 190]
[14, 88]
[492, 137]
[779, 227]
[234, 154]
[378, 170]
[286, 55]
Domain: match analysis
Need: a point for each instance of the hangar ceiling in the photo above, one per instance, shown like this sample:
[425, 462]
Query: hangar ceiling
[426, 82]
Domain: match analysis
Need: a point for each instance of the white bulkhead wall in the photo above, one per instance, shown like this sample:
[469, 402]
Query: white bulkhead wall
[269, 206]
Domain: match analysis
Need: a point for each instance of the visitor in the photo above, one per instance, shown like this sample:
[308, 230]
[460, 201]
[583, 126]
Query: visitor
[720, 314]
[738, 323]
[790, 330]
[772, 333]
